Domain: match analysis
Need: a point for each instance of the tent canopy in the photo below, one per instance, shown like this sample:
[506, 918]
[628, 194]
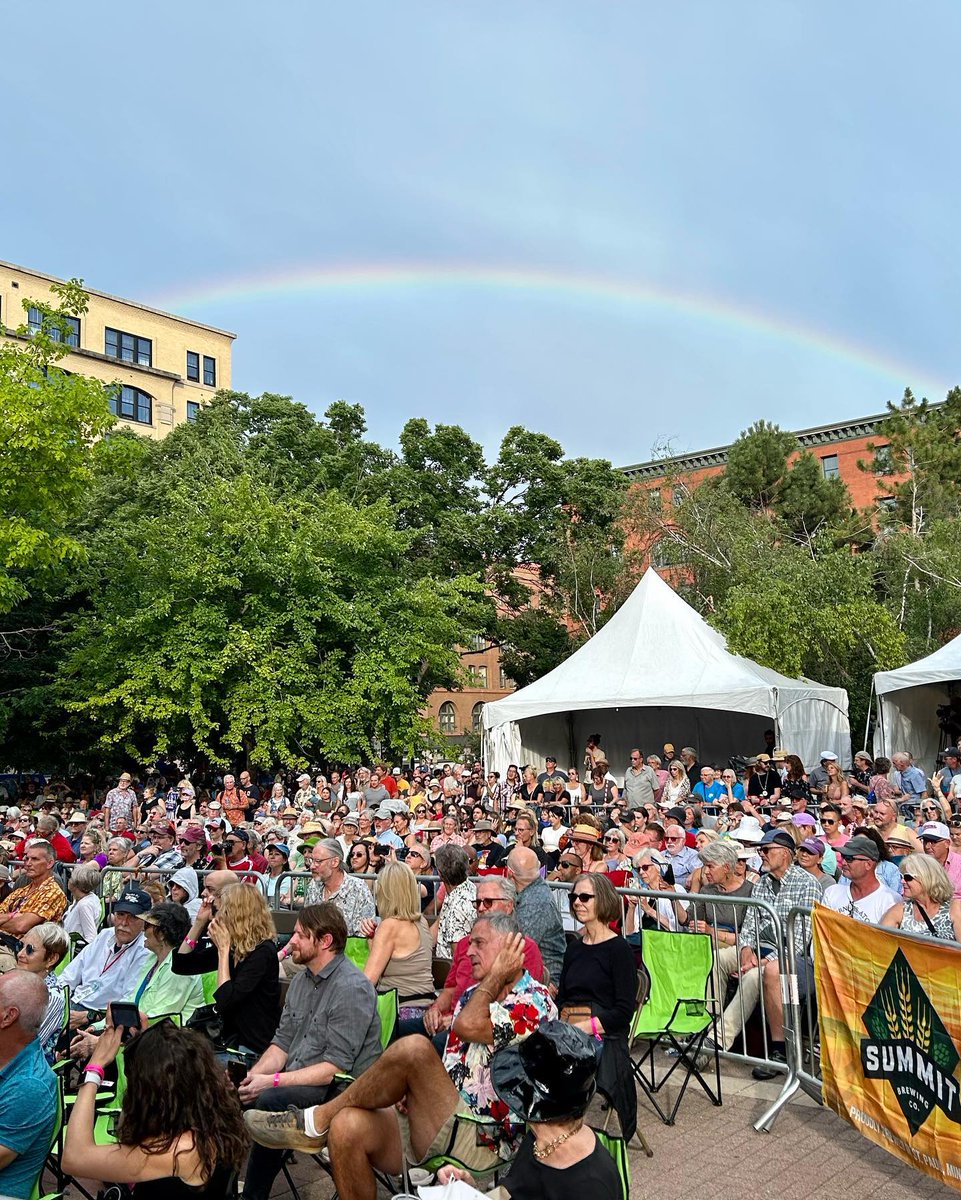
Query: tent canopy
[908, 700]
[658, 672]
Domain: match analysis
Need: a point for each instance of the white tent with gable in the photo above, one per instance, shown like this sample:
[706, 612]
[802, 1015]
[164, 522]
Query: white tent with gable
[908, 700]
[656, 673]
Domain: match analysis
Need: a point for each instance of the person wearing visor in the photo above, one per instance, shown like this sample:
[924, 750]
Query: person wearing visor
[548, 1080]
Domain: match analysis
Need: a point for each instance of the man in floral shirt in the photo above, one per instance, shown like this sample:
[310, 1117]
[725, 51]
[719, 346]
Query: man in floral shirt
[451, 1107]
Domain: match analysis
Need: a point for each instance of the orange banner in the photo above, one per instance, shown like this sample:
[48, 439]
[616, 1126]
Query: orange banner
[889, 1009]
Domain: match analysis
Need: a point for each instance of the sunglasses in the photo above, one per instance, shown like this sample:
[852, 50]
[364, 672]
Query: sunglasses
[29, 947]
[582, 897]
[613, 839]
[828, 821]
[487, 902]
[570, 865]
[908, 878]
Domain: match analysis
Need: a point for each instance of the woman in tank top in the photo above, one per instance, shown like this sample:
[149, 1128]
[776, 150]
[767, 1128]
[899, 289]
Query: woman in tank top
[401, 949]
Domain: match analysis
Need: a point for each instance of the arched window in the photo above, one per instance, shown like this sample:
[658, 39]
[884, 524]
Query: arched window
[448, 717]
[475, 716]
[132, 404]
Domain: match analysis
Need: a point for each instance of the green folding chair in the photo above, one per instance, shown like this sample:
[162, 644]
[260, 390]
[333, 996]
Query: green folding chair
[209, 982]
[680, 1010]
[52, 1160]
[358, 951]
[616, 1147]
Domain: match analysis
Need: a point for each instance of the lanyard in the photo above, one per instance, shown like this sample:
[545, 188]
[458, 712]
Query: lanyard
[114, 958]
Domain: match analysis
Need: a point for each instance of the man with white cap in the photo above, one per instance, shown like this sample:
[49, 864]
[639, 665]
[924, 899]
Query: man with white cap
[936, 841]
[383, 828]
[306, 796]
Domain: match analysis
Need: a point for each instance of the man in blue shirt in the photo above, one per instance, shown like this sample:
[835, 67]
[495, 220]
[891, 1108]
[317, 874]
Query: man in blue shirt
[709, 790]
[28, 1088]
[912, 780]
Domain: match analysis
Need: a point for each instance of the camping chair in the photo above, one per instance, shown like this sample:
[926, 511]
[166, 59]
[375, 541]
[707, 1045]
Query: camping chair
[358, 951]
[678, 1011]
[53, 1159]
[617, 1149]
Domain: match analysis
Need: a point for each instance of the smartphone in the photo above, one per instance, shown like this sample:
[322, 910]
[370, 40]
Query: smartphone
[126, 1016]
[237, 1070]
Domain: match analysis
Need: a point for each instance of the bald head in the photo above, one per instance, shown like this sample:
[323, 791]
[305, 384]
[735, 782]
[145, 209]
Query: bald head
[216, 883]
[23, 1001]
[524, 865]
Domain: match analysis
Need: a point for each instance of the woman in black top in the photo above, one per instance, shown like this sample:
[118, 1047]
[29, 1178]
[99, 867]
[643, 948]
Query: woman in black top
[243, 951]
[598, 988]
[181, 1132]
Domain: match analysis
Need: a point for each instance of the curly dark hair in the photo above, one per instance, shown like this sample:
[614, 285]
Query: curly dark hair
[176, 1086]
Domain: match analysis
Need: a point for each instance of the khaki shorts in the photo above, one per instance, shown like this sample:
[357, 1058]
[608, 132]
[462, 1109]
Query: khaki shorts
[456, 1139]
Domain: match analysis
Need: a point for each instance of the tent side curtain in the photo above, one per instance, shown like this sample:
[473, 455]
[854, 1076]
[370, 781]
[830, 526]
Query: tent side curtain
[908, 720]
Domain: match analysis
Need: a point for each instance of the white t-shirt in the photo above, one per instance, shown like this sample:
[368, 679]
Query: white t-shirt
[870, 908]
[550, 837]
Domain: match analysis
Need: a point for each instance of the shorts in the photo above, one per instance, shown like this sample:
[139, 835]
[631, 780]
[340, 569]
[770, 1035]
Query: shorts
[457, 1140]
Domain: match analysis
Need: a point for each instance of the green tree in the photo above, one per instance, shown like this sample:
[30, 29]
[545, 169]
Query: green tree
[49, 422]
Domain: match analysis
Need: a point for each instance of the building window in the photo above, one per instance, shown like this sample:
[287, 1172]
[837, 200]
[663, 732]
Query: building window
[210, 371]
[193, 366]
[128, 347]
[133, 405]
[193, 408]
[447, 715]
[70, 335]
[654, 499]
[477, 677]
[829, 466]
[477, 642]
[679, 493]
[503, 680]
[883, 462]
[475, 717]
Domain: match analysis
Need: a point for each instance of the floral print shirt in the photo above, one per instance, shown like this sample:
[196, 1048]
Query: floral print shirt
[522, 1010]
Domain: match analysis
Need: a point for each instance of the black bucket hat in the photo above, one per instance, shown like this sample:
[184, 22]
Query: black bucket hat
[550, 1075]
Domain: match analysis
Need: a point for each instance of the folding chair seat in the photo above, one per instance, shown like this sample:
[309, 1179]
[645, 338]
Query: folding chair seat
[681, 1011]
[358, 951]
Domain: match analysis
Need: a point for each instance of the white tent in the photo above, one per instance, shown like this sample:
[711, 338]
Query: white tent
[655, 673]
[907, 703]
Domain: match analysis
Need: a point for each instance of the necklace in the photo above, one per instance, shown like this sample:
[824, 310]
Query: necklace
[545, 1151]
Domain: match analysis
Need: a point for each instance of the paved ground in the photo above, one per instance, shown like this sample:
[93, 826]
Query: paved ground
[810, 1152]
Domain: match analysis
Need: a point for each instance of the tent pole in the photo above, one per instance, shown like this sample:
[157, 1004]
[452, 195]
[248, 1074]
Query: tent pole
[572, 761]
[867, 719]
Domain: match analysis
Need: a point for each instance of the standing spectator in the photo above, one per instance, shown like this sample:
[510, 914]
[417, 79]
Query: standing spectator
[251, 794]
[551, 772]
[909, 778]
[688, 757]
[232, 801]
[120, 802]
[536, 911]
[640, 783]
[678, 786]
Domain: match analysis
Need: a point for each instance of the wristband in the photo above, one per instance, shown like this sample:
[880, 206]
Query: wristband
[595, 1029]
[191, 942]
[93, 1077]
[276, 1079]
[94, 1069]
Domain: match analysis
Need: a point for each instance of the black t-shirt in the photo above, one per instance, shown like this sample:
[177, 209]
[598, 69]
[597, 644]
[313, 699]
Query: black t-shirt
[763, 781]
[595, 1176]
[489, 855]
[252, 795]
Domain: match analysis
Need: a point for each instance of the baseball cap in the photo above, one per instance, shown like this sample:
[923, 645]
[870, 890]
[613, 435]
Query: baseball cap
[778, 837]
[860, 847]
[934, 831]
[828, 756]
[815, 845]
[135, 901]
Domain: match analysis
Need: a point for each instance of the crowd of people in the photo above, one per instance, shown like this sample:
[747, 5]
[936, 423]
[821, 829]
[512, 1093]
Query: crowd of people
[167, 896]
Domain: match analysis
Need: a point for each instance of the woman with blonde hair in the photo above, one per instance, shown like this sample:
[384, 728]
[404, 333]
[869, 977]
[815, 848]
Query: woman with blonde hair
[929, 906]
[240, 946]
[83, 916]
[401, 948]
[678, 786]
[91, 847]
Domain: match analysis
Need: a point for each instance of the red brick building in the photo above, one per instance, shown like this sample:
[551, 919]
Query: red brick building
[839, 447]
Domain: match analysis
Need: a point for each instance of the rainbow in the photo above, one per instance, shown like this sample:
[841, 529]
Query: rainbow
[563, 287]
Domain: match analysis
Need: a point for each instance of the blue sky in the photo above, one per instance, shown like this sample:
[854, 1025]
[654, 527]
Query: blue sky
[734, 211]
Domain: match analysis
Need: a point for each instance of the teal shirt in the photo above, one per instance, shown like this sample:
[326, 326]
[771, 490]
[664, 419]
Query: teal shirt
[28, 1109]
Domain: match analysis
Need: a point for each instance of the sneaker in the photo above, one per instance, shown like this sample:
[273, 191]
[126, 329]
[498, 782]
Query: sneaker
[283, 1130]
[772, 1071]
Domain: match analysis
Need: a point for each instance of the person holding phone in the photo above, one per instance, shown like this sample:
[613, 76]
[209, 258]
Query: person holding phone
[180, 1133]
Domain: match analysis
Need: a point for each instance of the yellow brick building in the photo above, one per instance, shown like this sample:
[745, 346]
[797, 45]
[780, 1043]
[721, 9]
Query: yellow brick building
[165, 367]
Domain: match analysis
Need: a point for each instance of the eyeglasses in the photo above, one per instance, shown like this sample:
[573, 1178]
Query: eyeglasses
[956, 823]
[317, 861]
[674, 839]
[846, 858]
[581, 897]
[29, 947]
[184, 842]
[572, 866]
[487, 902]
[828, 821]
[908, 878]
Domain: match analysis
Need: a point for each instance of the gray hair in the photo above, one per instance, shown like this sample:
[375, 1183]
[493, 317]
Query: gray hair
[507, 887]
[929, 873]
[86, 878]
[617, 832]
[36, 843]
[332, 846]
[48, 822]
[502, 923]
[721, 853]
[452, 864]
[124, 843]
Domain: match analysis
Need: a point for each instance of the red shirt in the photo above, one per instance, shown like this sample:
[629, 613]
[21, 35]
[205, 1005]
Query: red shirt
[461, 973]
[390, 783]
[62, 848]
